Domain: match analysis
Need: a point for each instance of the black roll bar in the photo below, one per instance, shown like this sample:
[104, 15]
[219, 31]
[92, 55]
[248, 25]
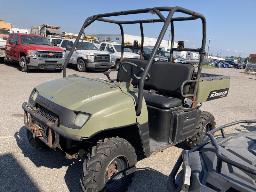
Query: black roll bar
[154, 52]
[122, 45]
[142, 40]
[158, 11]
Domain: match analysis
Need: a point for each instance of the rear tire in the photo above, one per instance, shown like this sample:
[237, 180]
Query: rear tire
[36, 143]
[23, 64]
[109, 157]
[81, 65]
[205, 124]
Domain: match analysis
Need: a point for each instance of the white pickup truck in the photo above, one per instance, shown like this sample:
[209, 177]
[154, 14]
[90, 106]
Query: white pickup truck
[2, 48]
[87, 56]
[115, 52]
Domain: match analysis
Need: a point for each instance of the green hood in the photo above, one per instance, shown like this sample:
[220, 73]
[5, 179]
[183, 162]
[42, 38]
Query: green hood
[110, 105]
[76, 92]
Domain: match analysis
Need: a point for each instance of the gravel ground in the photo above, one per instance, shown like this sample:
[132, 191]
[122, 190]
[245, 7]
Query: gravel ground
[24, 169]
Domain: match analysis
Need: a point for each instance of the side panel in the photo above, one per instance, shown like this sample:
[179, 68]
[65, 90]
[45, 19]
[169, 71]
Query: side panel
[112, 112]
[184, 125]
[211, 88]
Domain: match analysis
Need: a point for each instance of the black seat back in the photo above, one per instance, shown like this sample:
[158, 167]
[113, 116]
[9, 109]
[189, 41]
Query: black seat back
[165, 78]
[126, 76]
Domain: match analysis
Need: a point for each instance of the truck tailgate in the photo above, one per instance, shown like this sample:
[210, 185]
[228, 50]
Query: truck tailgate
[212, 87]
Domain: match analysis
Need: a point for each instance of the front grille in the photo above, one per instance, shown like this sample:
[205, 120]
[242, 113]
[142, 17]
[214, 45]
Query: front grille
[49, 54]
[50, 116]
[102, 58]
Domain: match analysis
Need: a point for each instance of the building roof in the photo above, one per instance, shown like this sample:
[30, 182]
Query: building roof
[4, 25]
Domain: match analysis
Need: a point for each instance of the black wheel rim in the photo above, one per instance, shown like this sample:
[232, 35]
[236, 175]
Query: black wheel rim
[114, 174]
[23, 63]
[115, 168]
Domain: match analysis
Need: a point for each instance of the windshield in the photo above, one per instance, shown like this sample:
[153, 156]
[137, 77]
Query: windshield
[165, 53]
[147, 50]
[37, 40]
[56, 41]
[4, 31]
[86, 46]
[118, 49]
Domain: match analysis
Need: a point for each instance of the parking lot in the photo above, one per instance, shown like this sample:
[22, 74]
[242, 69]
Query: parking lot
[25, 169]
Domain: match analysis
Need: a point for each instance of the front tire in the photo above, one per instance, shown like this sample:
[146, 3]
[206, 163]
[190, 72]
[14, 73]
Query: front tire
[36, 143]
[205, 124]
[103, 170]
[23, 64]
[81, 65]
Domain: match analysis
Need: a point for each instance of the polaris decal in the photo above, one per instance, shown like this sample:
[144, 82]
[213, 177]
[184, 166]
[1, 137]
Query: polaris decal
[217, 94]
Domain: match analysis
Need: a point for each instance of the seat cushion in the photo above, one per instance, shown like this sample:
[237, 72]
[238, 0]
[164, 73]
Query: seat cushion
[161, 101]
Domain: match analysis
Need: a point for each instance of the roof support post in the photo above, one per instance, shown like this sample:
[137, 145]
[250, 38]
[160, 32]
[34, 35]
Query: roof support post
[87, 22]
[154, 52]
[142, 40]
[122, 44]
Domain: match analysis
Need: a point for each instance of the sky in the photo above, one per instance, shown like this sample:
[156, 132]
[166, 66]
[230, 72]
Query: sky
[231, 26]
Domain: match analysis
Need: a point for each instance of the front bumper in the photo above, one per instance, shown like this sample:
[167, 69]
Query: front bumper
[98, 65]
[45, 63]
[39, 125]
[2, 53]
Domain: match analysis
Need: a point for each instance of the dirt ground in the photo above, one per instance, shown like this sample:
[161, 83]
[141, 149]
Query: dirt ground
[25, 169]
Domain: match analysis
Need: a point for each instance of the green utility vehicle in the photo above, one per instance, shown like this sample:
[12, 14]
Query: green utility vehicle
[111, 124]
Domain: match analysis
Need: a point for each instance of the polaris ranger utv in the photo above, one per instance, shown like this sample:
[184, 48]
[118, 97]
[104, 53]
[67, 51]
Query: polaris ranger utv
[111, 124]
[222, 164]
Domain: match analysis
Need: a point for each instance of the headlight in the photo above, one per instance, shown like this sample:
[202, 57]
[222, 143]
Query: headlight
[81, 119]
[90, 58]
[32, 53]
[34, 95]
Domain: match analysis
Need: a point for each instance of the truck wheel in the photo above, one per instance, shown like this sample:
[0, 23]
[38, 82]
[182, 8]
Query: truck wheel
[36, 143]
[205, 124]
[6, 61]
[104, 170]
[81, 65]
[23, 64]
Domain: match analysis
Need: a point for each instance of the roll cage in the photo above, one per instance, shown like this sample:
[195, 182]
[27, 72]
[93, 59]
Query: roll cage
[169, 20]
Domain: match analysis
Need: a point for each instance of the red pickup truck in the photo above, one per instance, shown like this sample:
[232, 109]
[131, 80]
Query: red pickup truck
[33, 52]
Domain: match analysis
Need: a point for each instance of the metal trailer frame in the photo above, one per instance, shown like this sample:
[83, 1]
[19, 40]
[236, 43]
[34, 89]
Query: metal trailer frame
[162, 19]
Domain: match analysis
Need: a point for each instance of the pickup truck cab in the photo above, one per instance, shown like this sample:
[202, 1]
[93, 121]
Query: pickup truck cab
[87, 56]
[55, 41]
[33, 52]
[115, 52]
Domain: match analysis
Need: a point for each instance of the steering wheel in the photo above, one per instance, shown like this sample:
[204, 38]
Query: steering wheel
[135, 65]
